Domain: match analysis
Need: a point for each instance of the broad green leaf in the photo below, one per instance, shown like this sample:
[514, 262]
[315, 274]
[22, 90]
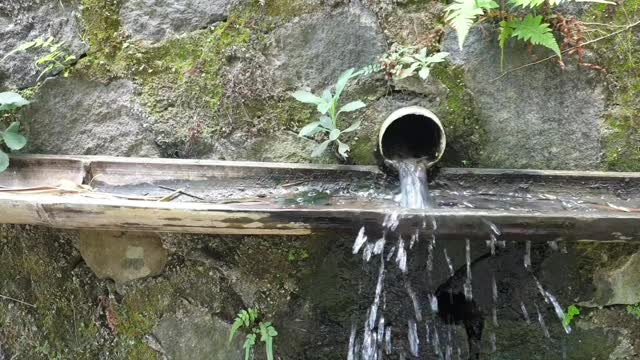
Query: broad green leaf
[12, 138]
[324, 107]
[352, 106]
[309, 129]
[326, 96]
[506, 31]
[487, 4]
[334, 134]
[532, 30]
[353, 127]
[424, 73]
[461, 14]
[320, 149]
[12, 98]
[14, 127]
[437, 57]
[343, 149]
[307, 97]
[342, 82]
[326, 123]
[4, 161]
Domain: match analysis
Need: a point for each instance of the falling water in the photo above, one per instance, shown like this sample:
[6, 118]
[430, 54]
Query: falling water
[413, 183]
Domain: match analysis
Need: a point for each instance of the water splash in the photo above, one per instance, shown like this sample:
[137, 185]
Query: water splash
[527, 255]
[401, 258]
[525, 313]
[412, 334]
[360, 240]
[449, 263]
[542, 323]
[468, 290]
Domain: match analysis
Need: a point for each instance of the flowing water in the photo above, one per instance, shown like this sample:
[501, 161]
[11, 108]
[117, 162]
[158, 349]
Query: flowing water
[431, 334]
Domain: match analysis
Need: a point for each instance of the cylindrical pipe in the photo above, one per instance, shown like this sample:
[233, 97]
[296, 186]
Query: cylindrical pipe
[412, 132]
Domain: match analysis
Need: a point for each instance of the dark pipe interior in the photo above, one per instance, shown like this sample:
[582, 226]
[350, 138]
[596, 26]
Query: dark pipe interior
[411, 136]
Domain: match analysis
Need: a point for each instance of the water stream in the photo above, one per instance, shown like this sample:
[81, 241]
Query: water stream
[431, 335]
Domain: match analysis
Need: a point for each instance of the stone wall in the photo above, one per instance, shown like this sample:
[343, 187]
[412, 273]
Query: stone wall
[212, 79]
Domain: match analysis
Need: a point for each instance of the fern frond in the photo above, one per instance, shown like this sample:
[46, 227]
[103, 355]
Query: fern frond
[529, 3]
[532, 30]
[461, 14]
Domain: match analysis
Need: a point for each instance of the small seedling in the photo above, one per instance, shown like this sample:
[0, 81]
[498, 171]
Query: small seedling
[11, 136]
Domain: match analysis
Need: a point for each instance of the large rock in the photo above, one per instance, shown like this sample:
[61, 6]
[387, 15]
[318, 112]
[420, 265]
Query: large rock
[314, 50]
[22, 21]
[536, 117]
[152, 21]
[123, 256]
[192, 333]
[75, 116]
[618, 285]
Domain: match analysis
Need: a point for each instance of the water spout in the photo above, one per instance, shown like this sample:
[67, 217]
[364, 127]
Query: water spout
[412, 132]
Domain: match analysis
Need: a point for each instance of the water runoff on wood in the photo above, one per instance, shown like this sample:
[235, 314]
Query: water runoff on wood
[437, 320]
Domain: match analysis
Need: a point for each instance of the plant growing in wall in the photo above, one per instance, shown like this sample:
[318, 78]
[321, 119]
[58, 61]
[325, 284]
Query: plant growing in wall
[328, 105]
[250, 321]
[401, 62]
[56, 60]
[11, 136]
[519, 19]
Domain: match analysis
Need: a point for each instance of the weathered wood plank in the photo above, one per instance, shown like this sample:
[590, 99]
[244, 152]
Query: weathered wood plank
[539, 205]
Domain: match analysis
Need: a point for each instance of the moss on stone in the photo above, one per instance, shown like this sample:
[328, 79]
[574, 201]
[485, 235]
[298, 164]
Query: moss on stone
[288, 9]
[620, 56]
[465, 134]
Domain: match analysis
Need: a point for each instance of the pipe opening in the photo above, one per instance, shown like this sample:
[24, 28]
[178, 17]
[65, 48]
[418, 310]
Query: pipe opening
[411, 136]
[412, 133]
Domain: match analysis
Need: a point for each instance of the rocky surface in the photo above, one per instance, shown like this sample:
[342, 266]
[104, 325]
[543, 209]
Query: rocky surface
[530, 113]
[152, 21]
[131, 256]
[23, 21]
[77, 116]
[313, 50]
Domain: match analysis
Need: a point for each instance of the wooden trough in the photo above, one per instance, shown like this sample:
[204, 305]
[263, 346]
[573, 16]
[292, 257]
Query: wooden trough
[225, 197]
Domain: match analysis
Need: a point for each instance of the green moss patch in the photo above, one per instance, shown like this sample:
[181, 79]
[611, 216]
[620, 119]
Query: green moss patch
[620, 55]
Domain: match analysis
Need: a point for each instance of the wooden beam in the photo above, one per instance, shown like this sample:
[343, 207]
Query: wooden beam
[353, 204]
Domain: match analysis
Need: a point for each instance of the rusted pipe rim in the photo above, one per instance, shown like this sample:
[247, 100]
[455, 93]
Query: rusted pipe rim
[412, 132]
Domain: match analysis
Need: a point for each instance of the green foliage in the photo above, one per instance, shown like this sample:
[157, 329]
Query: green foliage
[403, 62]
[531, 28]
[250, 321]
[11, 135]
[534, 31]
[572, 312]
[57, 60]
[462, 14]
[328, 105]
[634, 310]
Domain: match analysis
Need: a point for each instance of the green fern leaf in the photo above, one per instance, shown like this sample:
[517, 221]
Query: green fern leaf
[527, 3]
[532, 30]
[461, 14]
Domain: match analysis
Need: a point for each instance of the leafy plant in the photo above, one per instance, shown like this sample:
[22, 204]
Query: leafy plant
[529, 27]
[572, 312]
[250, 320]
[634, 310]
[328, 105]
[11, 135]
[403, 62]
[58, 59]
